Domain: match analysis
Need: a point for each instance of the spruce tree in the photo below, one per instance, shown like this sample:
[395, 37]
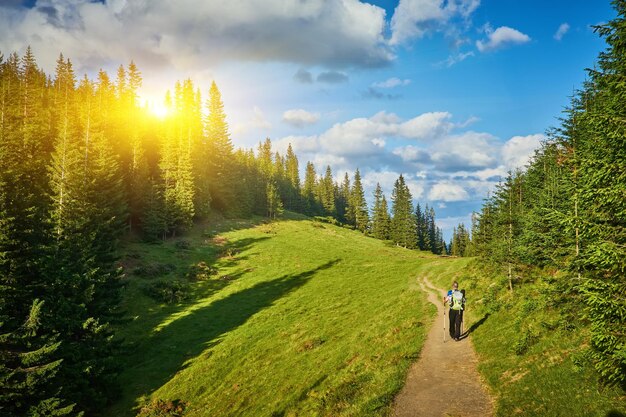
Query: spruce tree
[358, 204]
[219, 155]
[293, 201]
[308, 190]
[343, 206]
[29, 346]
[380, 215]
[402, 221]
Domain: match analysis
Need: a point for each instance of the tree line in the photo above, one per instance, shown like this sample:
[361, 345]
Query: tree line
[566, 211]
[82, 162]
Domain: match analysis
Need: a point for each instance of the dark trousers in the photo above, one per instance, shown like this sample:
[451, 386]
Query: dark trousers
[455, 323]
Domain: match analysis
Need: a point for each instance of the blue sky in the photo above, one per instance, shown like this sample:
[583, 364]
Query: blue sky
[452, 94]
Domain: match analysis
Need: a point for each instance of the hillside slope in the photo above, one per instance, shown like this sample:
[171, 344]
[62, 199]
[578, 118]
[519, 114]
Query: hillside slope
[300, 318]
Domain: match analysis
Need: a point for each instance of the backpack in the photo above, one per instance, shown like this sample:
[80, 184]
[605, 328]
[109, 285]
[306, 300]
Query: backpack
[457, 300]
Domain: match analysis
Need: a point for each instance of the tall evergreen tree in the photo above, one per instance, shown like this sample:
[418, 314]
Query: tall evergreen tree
[219, 153]
[381, 222]
[358, 205]
[402, 221]
[342, 201]
[308, 190]
[292, 171]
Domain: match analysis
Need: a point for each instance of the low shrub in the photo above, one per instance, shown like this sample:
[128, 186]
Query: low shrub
[168, 292]
[154, 269]
[163, 408]
[200, 272]
[183, 244]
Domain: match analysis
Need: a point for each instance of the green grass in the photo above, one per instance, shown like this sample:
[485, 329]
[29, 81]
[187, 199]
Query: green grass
[302, 318]
[531, 348]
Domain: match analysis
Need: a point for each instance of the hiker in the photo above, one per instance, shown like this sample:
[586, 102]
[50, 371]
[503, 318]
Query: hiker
[457, 301]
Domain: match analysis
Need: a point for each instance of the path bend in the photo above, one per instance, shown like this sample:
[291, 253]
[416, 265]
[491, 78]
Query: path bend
[444, 381]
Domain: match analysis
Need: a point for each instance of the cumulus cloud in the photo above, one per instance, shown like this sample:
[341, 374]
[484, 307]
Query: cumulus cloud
[300, 117]
[447, 191]
[466, 151]
[413, 18]
[196, 33]
[391, 83]
[518, 150]
[431, 125]
[412, 154]
[561, 31]
[500, 38]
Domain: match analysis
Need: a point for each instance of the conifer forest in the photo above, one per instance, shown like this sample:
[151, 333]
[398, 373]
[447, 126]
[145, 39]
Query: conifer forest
[84, 165]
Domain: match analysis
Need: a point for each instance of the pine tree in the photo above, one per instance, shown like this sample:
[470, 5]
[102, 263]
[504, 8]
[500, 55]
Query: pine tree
[219, 153]
[326, 193]
[29, 357]
[380, 215]
[293, 201]
[402, 221]
[308, 190]
[274, 203]
[358, 204]
[342, 201]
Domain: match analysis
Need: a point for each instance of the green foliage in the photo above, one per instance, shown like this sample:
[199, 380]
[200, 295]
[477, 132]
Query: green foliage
[167, 291]
[154, 269]
[402, 220]
[381, 221]
[568, 210]
[163, 408]
[200, 272]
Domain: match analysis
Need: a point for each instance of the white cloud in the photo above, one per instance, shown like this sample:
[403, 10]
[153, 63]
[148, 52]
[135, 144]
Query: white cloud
[501, 37]
[194, 34]
[447, 191]
[426, 126]
[450, 222]
[561, 31]
[455, 59]
[414, 18]
[518, 150]
[391, 83]
[300, 117]
[257, 122]
[412, 154]
[466, 151]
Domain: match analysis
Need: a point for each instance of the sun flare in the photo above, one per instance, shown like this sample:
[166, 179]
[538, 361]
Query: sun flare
[159, 110]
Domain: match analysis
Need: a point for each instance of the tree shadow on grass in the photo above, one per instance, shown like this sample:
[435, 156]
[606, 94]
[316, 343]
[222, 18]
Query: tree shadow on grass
[169, 350]
[475, 326]
[615, 413]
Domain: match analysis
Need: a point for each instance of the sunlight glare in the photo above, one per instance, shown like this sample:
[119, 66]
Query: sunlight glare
[159, 110]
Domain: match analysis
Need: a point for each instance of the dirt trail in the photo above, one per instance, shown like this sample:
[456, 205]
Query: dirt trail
[444, 381]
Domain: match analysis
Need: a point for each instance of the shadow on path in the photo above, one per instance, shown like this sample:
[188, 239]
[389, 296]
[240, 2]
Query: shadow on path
[171, 350]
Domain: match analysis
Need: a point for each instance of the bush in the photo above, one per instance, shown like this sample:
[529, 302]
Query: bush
[182, 244]
[525, 341]
[200, 272]
[167, 291]
[153, 269]
[163, 408]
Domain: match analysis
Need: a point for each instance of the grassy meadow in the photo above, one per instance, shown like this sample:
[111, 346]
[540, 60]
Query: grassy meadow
[297, 318]
[532, 347]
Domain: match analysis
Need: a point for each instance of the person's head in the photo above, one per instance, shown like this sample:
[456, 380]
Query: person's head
[455, 285]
